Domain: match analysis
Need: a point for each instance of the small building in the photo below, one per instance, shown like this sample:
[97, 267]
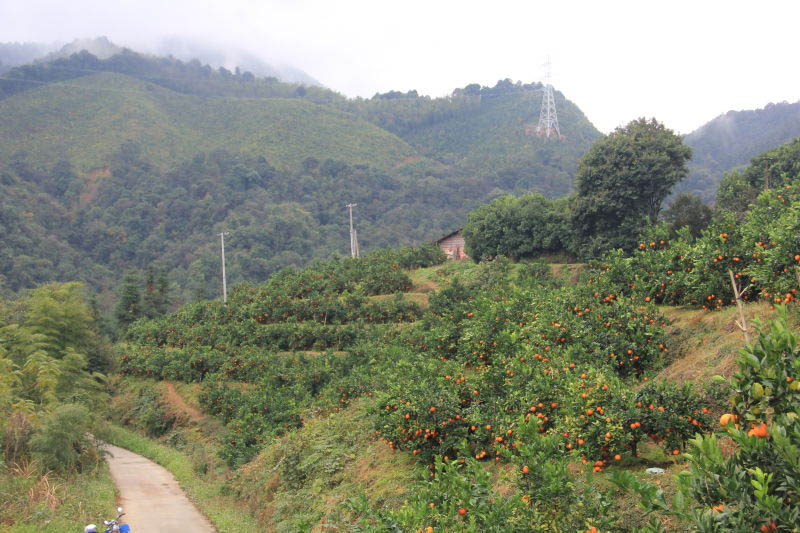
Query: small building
[452, 244]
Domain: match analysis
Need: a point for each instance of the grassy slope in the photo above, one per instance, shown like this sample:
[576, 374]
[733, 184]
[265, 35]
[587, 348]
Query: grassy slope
[707, 344]
[86, 120]
[300, 481]
[30, 503]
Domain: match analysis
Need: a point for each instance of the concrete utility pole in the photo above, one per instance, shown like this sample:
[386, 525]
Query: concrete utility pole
[766, 172]
[353, 238]
[224, 282]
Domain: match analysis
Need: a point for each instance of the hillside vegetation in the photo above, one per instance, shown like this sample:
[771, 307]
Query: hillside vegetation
[731, 140]
[489, 131]
[86, 120]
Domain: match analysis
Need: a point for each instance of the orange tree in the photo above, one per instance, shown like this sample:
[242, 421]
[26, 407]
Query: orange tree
[560, 356]
[458, 495]
[762, 250]
[755, 488]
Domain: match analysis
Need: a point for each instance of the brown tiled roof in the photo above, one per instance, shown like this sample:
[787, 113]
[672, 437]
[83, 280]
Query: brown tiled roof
[440, 239]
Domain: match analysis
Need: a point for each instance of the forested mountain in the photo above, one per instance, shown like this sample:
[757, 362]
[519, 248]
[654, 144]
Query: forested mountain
[86, 120]
[134, 161]
[730, 140]
[489, 131]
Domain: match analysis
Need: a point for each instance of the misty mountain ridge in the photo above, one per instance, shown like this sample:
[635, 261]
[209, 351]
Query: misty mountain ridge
[100, 47]
[231, 59]
[19, 54]
[732, 139]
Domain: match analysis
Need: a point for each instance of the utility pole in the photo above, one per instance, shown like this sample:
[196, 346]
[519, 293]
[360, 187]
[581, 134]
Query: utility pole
[353, 237]
[766, 173]
[224, 281]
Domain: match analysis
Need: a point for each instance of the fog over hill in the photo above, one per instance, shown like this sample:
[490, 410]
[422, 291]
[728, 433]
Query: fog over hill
[16, 54]
[230, 57]
[730, 140]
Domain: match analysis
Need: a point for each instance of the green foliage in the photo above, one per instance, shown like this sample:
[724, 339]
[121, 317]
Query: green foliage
[526, 226]
[761, 251]
[621, 183]
[49, 354]
[668, 414]
[689, 211]
[740, 188]
[128, 308]
[321, 307]
[62, 443]
[754, 488]
[493, 353]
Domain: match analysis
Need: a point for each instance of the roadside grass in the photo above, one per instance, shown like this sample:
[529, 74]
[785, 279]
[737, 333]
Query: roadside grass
[206, 491]
[31, 502]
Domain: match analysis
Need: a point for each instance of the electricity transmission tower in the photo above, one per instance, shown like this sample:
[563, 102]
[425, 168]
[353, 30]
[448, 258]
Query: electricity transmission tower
[353, 234]
[548, 119]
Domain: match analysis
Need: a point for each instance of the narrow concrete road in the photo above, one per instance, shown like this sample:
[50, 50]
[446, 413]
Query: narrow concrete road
[151, 498]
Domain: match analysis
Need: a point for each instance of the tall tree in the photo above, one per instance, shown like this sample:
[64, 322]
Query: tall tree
[526, 226]
[621, 183]
[129, 305]
[688, 210]
[774, 168]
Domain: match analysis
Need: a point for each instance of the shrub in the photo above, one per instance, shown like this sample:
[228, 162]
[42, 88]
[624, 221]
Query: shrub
[62, 443]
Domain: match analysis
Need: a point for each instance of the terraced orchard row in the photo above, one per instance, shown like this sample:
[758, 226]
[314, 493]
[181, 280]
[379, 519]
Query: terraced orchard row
[761, 248]
[278, 348]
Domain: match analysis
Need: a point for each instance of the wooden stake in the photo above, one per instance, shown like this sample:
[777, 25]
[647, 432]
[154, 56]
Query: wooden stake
[742, 322]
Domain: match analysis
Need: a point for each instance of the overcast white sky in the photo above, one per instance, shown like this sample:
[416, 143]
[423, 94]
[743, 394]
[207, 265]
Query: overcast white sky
[683, 62]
